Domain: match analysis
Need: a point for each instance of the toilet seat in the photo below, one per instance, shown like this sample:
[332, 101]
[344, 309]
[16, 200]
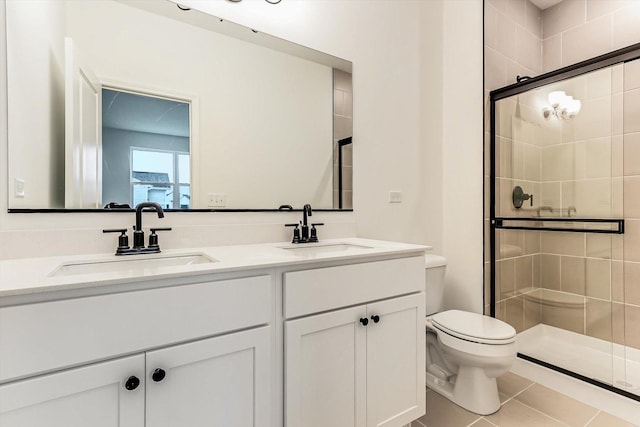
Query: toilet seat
[473, 327]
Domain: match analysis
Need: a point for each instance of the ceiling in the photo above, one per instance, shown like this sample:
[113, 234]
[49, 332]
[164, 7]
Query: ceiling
[140, 113]
[544, 4]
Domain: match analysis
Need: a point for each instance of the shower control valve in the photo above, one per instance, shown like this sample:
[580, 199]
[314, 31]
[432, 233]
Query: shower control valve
[519, 197]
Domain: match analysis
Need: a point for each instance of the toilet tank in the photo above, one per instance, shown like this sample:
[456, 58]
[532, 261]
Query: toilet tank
[434, 267]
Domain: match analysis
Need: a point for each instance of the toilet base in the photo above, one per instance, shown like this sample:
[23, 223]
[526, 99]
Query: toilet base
[470, 389]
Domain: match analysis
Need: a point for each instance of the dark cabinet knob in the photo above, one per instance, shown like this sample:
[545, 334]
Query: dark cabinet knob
[364, 321]
[375, 318]
[132, 383]
[158, 375]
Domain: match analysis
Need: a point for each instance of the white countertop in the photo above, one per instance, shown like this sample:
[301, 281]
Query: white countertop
[28, 276]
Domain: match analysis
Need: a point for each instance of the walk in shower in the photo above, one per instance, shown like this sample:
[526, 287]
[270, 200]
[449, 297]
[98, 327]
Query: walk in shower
[565, 218]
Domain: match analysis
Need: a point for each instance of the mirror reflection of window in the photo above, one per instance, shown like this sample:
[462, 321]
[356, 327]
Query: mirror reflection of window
[146, 146]
[153, 176]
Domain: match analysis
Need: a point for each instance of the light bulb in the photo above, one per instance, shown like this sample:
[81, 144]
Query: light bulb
[556, 98]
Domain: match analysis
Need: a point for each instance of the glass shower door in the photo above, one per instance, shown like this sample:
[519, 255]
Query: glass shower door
[557, 221]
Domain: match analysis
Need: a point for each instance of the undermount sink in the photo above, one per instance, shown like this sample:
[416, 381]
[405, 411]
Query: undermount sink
[307, 249]
[132, 264]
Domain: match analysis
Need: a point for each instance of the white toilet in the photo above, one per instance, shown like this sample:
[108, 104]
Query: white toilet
[466, 351]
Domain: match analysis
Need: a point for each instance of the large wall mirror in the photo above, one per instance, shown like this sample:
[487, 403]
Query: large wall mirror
[116, 102]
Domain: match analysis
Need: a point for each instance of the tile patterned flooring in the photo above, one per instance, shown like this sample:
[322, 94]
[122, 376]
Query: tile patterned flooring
[524, 404]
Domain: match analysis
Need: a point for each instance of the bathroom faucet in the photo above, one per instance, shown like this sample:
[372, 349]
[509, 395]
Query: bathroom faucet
[305, 235]
[138, 234]
[306, 211]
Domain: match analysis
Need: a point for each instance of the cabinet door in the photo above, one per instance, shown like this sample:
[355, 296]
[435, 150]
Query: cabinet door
[93, 395]
[218, 382]
[396, 361]
[325, 370]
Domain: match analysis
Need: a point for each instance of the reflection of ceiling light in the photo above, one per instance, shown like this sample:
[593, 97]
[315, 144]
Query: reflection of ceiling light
[562, 106]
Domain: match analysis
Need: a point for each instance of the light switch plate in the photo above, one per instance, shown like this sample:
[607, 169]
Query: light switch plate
[216, 200]
[19, 187]
[395, 196]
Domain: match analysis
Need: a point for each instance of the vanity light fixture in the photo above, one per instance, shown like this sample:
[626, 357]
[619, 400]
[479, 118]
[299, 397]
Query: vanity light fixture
[562, 106]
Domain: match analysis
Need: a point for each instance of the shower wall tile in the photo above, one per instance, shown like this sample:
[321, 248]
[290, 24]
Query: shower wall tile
[586, 41]
[552, 53]
[524, 273]
[618, 323]
[625, 28]
[599, 319]
[617, 114]
[632, 154]
[598, 246]
[561, 17]
[632, 240]
[631, 111]
[596, 8]
[572, 275]
[533, 19]
[617, 78]
[617, 197]
[506, 43]
[515, 313]
[490, 27]
[632, 325]
[505, 279]
[531, 162]
[632, 196]
[617, 247]
[536, 271]
[531, 309]
[598, 278]
[598, 83]
[617, 156]
[563, 243]
[496, 71]
[632, 75]
[594, 120]
[598, 158]
[531, 242]
[550, 271]
[557, 162]
[617, 281]
[632, 283]
[550, 194]
[529, 52]
[592, 198]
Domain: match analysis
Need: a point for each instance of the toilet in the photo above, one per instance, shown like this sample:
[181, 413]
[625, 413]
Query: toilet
[466, 351]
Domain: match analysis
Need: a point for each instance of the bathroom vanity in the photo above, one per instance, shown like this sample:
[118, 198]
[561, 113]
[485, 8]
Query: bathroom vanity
[250, 335]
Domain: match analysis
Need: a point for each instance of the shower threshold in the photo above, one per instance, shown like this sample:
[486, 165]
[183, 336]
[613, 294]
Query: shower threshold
[593, 358]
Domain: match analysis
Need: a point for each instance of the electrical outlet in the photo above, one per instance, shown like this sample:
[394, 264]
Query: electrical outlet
[395, 196]
[216, 200]
[19, 187]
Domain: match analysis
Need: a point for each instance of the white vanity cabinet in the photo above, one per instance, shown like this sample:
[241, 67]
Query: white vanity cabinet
[363, 365]
[93, 395]
[202, 355]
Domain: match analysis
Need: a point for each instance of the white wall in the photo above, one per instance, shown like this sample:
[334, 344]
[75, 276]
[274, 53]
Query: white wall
[37, 33]
[462, 153]
[412, 65]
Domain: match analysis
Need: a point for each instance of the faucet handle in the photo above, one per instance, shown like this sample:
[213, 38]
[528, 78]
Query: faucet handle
[153, 237]
[314, 233]
[296, 232]
[123, 239]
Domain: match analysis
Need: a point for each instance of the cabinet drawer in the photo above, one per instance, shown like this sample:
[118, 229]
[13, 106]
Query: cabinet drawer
[47, 336]
[321, 289]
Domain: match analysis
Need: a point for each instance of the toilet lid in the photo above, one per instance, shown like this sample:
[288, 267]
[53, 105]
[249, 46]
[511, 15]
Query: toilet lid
[474, 327]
